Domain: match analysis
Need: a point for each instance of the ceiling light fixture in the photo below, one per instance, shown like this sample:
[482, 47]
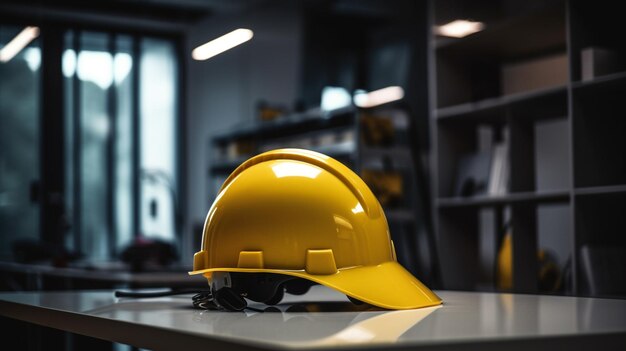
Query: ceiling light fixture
[378, 97]
[459, 28]
[221, 44]
[18, 43]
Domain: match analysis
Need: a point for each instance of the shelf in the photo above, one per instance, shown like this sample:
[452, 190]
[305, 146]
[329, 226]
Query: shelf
[397, 152]
[391, 105]
[600, 190]
[339, 150]
[225, 167]
[540, 31]
[485, 201]
[343, 149]
[289, 125]
[546, 103]
[399, 215]
[605, 81]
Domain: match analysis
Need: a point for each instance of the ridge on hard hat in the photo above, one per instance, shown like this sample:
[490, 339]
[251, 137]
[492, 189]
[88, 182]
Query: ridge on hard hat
[303, 214]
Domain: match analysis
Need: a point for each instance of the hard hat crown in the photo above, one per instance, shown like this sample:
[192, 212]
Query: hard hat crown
[294, 210]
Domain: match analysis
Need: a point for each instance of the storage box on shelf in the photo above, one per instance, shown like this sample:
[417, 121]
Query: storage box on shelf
[596, 44]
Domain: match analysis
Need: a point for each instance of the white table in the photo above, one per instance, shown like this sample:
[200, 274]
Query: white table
[466, 321]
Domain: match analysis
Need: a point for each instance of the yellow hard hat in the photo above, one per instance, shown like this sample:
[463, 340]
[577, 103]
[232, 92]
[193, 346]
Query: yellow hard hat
[303, 214]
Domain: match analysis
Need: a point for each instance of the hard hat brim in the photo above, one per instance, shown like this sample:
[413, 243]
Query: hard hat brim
[387, 285]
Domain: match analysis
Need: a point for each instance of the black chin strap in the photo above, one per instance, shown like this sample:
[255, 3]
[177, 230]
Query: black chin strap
[203, 298]
[267, 288]
[204, 301]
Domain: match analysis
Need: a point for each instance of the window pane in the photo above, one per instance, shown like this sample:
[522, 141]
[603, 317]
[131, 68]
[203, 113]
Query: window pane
[19, 142]
[123, 206]
[69, 68]
[94, 66]
[158, 111]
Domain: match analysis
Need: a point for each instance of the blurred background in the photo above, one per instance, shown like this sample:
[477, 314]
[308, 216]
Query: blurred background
[492, 132]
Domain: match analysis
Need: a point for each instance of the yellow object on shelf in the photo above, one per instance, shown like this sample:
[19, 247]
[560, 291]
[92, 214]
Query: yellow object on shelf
[505, 263]
[268, 112]
[301, 213]
[549, 275]
[377, 130]
[238, 148]
[386, 185]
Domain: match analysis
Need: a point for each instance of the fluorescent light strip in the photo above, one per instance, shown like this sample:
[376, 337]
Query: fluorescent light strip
[221, 44]
[379, 97]
[459, 28]
[18, 43]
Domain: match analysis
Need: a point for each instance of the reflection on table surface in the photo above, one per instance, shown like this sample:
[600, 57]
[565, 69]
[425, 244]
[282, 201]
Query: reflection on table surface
[324, 317]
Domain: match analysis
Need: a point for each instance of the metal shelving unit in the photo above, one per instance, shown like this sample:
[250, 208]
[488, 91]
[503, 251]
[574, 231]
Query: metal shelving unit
[466, 93]
[354, 151]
